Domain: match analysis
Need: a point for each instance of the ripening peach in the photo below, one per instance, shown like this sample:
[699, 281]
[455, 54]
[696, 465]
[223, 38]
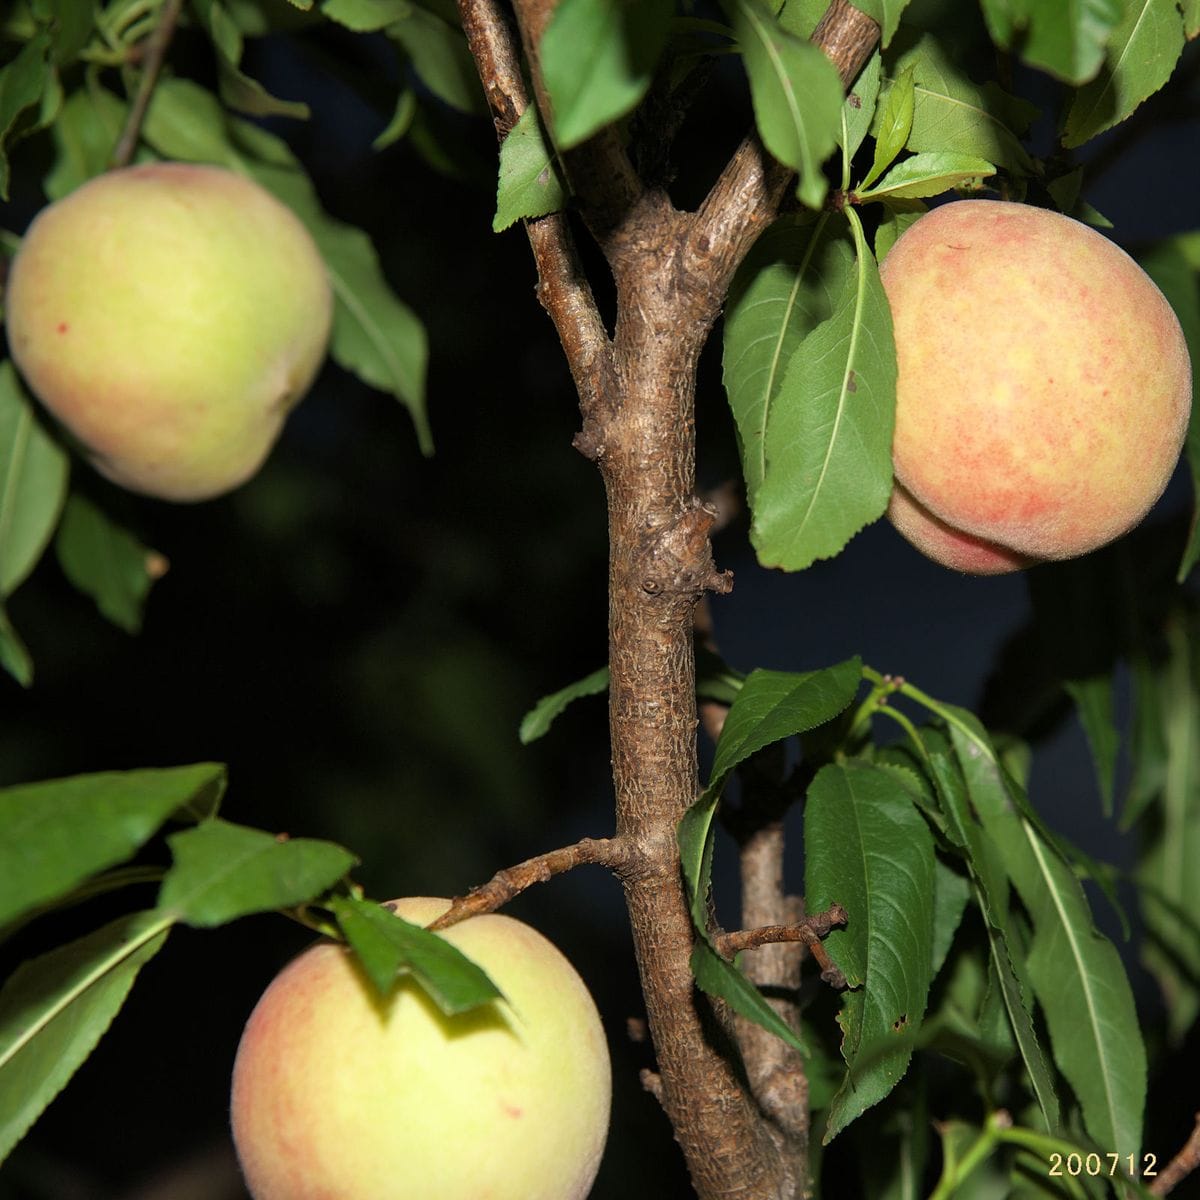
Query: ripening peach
[1044, 386]
[169, 316]
[340, 1096]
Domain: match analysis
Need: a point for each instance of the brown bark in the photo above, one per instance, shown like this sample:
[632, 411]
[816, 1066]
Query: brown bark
[672, 270]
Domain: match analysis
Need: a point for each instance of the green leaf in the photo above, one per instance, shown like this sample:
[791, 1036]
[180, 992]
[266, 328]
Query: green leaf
[828, 435]
[1142, 51]
[14, 656]
[85, 134]
[69, 23]
[405, 113]
[991, 890]
[928, 174]
[1066, 38]
[366, 16]
[24, 81]
[1170, 264]
[1166, 870]
[223, 871]
[375, 334]
[894, 126]
[539, 718]
[1094, 703]
[387, 946]
[869, 850]
[953, 115]
[1075, 971]
[106, 562]
[796, 92]
[186, 121]
[598, 57]
[55, 834]
[722, 979]
[771, 706]
[886, 14]
[440, 57]
[898, 215]
[951, 892]
[237, 89]
[54, 1009]
[1191, 18]
[858, 109]
[530, 184]
[33, 483]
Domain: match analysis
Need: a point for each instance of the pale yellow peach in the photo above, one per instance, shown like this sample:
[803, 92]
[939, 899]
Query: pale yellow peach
[340, 1096]
[169, 316]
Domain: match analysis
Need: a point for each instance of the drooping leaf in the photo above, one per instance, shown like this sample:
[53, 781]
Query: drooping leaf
[796, 92]
[439, 55]
[928, 174]
[538, 720]
[388, 946]
[56, 833]
[1067, 38]
[223, 871]
[1142, 51]
[54, 1009]
[14, 654]
[1166, 871]
[530, 184]
[598, 57]
[85, 134]
[237, 89]
[893, 127]
[951, 892]
[1094, 703]
[869, 850]
[1075, 971]
[366, 16]
[771, 706]
[106, 562]
[722, 979]
[24, 81]
[33, 483]
[828, 435]
[1170, 265]
[954, 115]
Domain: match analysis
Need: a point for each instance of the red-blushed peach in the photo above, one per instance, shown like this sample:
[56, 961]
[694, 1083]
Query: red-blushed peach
[340, 1096]
[169, 316]
[1044, 386]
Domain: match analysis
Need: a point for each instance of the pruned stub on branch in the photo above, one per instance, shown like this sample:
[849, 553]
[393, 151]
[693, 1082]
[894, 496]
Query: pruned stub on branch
[740, 1118]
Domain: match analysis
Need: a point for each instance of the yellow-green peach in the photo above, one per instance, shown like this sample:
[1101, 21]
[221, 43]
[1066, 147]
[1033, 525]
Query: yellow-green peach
[1044, 386]
[338, 1095]
[169, 316]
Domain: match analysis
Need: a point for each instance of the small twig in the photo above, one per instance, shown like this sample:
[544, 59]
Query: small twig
[562, 289]
[511, 881]
[810, 931]
[1181, 1166]
[152, 61]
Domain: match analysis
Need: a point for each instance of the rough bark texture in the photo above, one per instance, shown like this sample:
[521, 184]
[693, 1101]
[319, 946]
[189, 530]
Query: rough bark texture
[637, 391]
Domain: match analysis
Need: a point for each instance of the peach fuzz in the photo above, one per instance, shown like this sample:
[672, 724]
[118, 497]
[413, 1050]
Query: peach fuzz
[1044, 386]
[339, 1096]
[169, 316]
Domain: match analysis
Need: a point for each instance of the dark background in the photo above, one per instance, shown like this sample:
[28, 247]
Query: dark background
[358, 631]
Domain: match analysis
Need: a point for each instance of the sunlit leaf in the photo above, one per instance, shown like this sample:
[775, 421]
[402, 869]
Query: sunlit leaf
[223, 871]
[1066, 38]
[530, 184]
[388, 946]
[1142, 52]
[54, 834]
[538, 720]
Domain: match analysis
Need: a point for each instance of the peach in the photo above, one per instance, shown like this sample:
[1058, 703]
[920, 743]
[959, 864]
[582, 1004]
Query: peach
[169, 316]
[1044, 386]
[340, 1096]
